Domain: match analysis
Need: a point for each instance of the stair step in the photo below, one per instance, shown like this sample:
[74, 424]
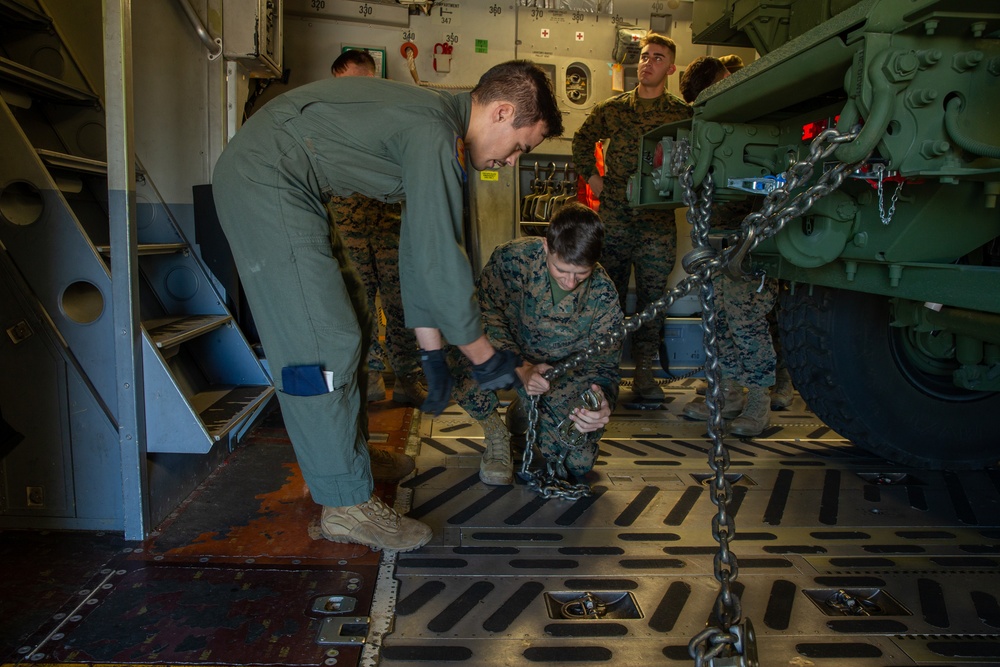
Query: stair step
[222, 409]
[44, 85]
[76, 163]
[171, 331]
[73, 163]
[149, 248]
[15, 12]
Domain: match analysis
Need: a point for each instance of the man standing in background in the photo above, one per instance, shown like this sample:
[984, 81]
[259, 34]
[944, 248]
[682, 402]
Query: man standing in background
[370, 231]
[643, 239]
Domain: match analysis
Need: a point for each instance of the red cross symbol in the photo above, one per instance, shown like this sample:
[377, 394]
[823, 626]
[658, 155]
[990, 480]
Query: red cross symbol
[635, 38]
[579, 36]
[545, 33]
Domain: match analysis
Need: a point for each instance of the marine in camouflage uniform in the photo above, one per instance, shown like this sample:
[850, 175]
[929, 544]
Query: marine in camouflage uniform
[370, 232]
[747, 356]
[515, 293]
[746, 350]
[643, 238]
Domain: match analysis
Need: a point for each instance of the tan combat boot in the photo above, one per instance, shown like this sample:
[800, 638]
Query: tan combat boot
[376, 386]
[755, 415]
[782, 392]
[409, 390]
[374, 524]
[732, 403]
[389, 466]
[496, 466]
[644, 384]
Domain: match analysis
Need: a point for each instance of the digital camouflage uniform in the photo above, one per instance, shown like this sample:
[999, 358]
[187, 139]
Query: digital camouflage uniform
[515, 295]
[370, 232]
[643, 238]
[746, 349]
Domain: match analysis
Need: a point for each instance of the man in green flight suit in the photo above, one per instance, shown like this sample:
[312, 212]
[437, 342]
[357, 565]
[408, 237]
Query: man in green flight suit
[645, 239]
[392, 142]
[545, 300]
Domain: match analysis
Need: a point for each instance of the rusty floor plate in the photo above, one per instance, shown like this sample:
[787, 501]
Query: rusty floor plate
[237, 575]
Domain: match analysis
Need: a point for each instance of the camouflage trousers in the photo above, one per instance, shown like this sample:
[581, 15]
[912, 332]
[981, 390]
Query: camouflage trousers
[369, 230]
[746, 350]
[553, 408]
[650, 246]
[772, 326]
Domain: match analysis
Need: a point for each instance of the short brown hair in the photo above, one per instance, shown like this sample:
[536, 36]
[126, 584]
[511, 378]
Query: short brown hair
[576, 235]
[732, 62]
[699, 75]
[525, 85]
[657, 38]
[353, 57]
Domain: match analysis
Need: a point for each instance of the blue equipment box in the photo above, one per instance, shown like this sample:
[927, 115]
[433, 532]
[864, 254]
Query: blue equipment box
[683, 345]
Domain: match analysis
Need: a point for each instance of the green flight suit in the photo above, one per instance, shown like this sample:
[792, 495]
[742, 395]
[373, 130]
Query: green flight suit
[384, 140]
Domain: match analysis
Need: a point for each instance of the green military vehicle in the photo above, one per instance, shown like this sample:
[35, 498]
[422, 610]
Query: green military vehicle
[890, 321]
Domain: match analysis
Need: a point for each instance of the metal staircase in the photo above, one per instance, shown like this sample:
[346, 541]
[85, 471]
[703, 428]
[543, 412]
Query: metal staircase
[203, 383]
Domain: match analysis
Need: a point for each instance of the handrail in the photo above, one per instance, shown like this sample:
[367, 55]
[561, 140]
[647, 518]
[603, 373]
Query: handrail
[214, 46]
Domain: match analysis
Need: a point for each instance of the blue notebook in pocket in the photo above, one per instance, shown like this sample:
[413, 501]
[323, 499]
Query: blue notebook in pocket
[303, 381]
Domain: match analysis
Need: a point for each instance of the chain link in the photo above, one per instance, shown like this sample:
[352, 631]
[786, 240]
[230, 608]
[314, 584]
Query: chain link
[547, 483]
[853, 605]
[883, 215]
[702, 263]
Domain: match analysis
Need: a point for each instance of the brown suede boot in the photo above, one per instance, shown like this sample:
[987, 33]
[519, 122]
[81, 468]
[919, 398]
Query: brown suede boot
[376, 386]
[782, 393]
[389, 466]
[409, 390]
[644, 384]
[732, 403]
[374, 524]
[755, 415]
[496, 467]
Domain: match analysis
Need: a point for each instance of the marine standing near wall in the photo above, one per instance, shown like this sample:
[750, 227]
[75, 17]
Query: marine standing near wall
[370, 230]
[643, 239]
[270, 185]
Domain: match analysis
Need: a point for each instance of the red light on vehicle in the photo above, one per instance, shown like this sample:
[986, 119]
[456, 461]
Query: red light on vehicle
[811, 130]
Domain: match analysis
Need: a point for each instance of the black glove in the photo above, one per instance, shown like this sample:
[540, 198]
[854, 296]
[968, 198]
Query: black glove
[498, 372]
[439, 381]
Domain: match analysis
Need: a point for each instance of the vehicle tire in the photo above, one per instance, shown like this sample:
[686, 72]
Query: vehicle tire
[861, 378]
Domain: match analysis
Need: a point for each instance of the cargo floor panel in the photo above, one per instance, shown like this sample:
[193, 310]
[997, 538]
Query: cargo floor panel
[844, 558]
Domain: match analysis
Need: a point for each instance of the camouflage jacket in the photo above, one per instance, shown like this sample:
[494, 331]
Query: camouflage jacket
[623, 121]
[518, 314]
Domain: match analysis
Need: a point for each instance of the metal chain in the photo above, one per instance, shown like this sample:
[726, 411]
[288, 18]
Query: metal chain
[546, 483]
[853, 605]
[775, 212]
[733, 634]
[883, 215]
